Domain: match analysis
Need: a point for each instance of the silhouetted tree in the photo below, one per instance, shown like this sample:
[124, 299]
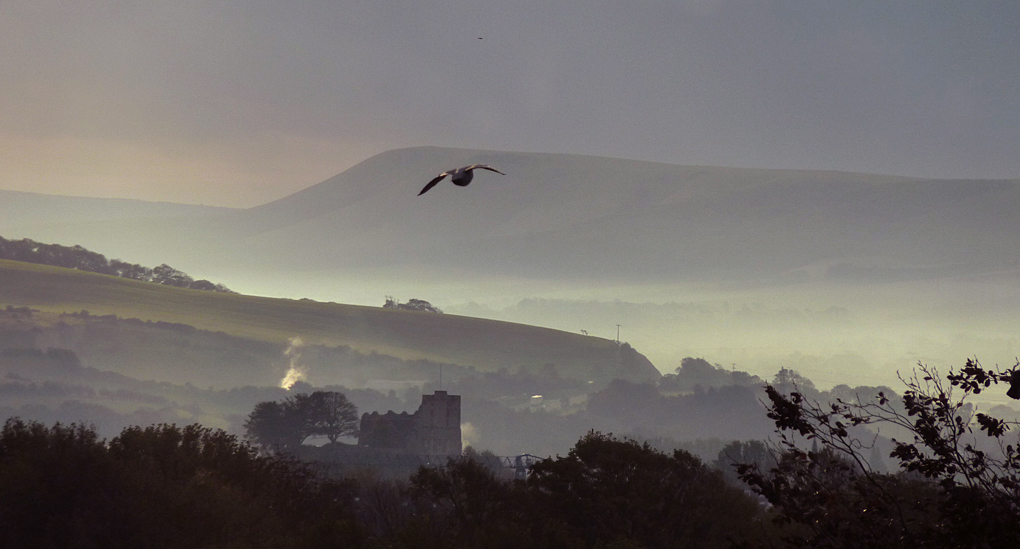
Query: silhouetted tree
[275, 427]
[165, 274]
[284, 426]
[604, 493]
[694, 372]
[202, 285]
[420, 305]
[411, 305]
[788, 380]
[473, 507]
[608, 490]
[161, 486]
[77, 257]
[960, 473]
[328, 414]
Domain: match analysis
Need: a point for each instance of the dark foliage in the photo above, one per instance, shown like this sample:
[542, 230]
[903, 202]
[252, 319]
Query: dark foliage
[77, 257]
[276, 427]
[698, 372]
[161, 486]
[605, 493]
[282, 426]
[608, 490]
[411, 305]
[329, 414]
[960, 479]
[466, 504]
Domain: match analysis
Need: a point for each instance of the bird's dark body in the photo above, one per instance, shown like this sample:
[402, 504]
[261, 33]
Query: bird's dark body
[460, 177]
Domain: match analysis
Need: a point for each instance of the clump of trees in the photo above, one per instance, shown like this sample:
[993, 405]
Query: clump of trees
[282, 426]
[169, 486]
[77, 257]
[698, 372]
[161, 486]
[411, 305]
[958, 483]
[605, 492]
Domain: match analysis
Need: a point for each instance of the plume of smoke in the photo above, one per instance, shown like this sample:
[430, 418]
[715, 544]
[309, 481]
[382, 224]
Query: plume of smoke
[468, 435]
[295, 372]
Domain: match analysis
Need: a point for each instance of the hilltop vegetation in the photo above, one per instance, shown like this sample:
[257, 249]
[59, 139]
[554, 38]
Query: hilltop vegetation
[77, 257]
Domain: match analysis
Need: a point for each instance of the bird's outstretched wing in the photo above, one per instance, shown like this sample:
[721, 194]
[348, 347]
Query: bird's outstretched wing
[483, 167]
[433, 182]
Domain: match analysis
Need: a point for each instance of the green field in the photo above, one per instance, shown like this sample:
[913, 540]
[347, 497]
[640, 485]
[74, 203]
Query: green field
[484, 344]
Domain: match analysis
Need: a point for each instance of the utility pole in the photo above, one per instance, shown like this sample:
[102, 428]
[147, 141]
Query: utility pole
[617, 334]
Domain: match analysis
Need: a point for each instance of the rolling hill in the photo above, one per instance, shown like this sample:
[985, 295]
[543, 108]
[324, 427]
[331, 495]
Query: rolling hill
[569, 217]
[904, 257]
[485, 345]
[579, 217]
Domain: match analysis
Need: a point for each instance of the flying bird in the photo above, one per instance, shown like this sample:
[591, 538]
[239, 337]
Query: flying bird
[460, 176]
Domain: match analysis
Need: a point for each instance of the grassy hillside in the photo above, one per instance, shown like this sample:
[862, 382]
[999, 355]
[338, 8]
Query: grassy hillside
[485, 344]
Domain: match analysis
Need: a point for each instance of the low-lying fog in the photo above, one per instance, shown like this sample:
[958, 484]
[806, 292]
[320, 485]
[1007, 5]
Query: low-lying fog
[845, 277]
[853, 333]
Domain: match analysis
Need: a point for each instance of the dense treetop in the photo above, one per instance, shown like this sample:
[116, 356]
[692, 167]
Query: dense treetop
[160, 486]
[411, 305]
[77, 257]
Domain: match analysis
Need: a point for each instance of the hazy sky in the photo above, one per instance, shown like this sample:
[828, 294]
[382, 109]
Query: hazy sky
[236, 103]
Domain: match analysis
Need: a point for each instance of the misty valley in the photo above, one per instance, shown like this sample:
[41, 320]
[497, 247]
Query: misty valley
[727, 358]
[447, 274]
[117, 372]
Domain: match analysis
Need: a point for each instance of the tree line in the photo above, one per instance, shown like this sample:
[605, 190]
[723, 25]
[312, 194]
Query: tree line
[955, 479]
[160, 486]
[77, 257]
[169, 486]
[957, 484]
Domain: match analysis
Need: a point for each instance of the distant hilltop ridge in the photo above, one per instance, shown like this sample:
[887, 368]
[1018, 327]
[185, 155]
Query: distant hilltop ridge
[571, 217]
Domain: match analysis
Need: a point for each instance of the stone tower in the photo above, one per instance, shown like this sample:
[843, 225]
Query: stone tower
[433, 430]
[438, 425]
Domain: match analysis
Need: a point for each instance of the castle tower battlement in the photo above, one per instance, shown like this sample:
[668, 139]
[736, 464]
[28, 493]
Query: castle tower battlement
[434, 429]
[439, 424]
